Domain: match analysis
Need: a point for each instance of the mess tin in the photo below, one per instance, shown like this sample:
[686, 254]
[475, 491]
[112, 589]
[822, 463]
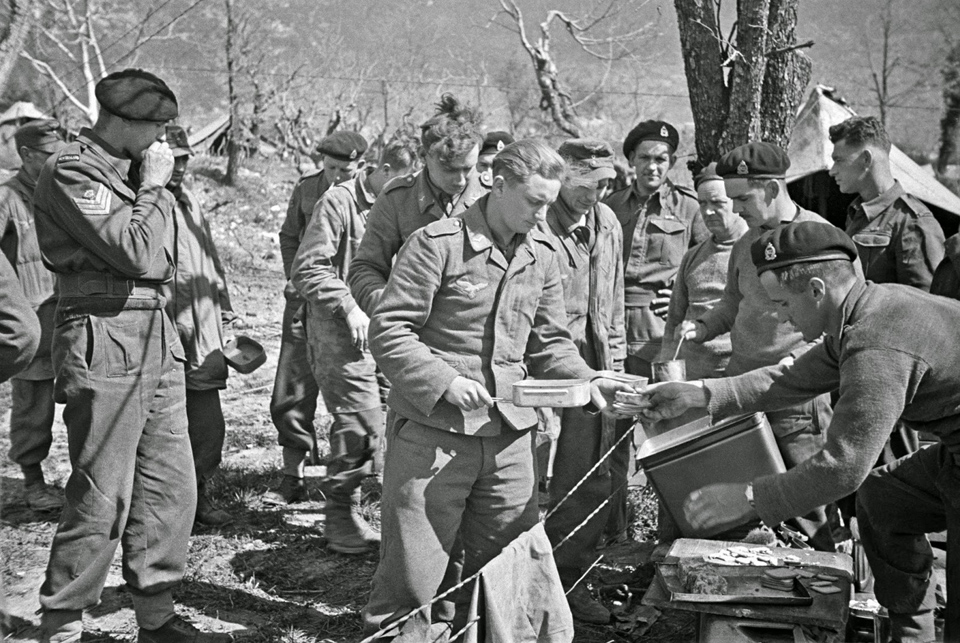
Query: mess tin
[549, 393]
[244, 355]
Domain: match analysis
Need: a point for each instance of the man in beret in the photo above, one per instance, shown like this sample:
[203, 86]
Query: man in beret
[753, 176]
[103, 215]
[337, 344]
[199, 303]
[31, 404]
[886, 352]
[660, 221]
[589, 244]
[493, 142]
[293, 403]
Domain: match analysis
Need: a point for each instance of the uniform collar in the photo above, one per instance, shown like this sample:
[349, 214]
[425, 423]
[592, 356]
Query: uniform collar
[364, 192]
[563, 220]
[109, 154]
[25, 179]
[661, 192]
[846, 310]
[429, 195]
[875, 207]
[481, 237]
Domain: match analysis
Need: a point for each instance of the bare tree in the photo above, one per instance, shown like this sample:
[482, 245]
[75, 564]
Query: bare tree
[950, 122]
[22, 16]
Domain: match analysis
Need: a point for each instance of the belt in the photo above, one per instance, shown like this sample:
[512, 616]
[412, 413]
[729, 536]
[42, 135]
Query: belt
[101, 284]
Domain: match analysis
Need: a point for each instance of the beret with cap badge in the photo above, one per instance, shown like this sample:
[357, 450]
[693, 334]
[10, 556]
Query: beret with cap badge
[343, 146]
[651, 131]
[137, 95]
[493, 142]
[756, 160]
[803, 242]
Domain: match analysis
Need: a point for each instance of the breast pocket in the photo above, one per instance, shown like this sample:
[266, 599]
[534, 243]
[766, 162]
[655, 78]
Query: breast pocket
[666, 241]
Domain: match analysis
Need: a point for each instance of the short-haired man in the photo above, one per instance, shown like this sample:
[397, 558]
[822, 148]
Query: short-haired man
[447, 185]
[337, 344]
[753, 176]
[31, 404]
[888, 354]
[473, 302]
[103, 228]
[589, 245]
[293, 403]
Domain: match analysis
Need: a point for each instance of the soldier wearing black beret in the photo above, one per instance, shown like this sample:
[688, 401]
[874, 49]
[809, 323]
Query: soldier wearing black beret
[661, 221]
[493, 142]
[103, 229]
[883, 347]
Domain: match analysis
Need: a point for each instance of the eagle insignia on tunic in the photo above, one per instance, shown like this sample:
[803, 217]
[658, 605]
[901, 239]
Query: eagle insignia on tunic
[94, 201]
[469, 288]
[769, 253]
[742, 168]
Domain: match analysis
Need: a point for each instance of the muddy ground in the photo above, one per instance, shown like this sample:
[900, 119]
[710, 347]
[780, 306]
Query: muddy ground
[267, 574]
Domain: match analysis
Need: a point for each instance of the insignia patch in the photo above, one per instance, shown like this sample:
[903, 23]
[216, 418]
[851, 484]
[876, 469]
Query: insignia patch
[769, 253]
[67, 158]
[499, 145]
[742, 168]
[663, 132]
[468, 288]
[94, 201]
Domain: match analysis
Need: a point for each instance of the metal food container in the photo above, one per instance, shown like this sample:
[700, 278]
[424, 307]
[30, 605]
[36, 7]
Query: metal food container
[244, 355]
[551, 393]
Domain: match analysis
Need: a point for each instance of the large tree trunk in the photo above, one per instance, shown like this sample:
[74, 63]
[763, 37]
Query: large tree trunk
[746, 78]
[22, 17]
[787, 75]
[950, 123]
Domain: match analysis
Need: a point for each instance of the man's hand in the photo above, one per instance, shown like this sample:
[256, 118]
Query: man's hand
[603, 391]
[718, 507]
[693, 331]
[669, 400]
[157, 167]
[661, 303]
[358, 322]
[467, 394]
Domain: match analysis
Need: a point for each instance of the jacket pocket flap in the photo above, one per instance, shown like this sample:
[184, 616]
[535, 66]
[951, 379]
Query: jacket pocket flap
[670, 226]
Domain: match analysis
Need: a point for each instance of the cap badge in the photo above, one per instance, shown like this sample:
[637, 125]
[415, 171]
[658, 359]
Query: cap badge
[664, 133]
[353, 154]
[742, 168]
[770, 253]
[499, 145]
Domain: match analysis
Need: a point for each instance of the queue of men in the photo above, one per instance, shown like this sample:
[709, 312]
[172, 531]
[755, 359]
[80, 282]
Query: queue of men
[445, 272]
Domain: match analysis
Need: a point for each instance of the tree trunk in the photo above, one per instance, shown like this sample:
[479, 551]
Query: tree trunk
[22, 17]
[234, 128]
[746, 78]
[786, 78]
[950, 123]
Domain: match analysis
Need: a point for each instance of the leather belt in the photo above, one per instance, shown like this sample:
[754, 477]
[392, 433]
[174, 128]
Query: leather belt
[101, 284]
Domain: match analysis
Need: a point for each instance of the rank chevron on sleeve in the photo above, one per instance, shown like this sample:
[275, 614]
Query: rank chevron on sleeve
[94, 201]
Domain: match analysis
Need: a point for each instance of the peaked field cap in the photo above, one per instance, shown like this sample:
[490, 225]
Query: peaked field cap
[756, 160]
[343, 146]
[137, 95]
[803, 242]
[709, 173]
[493, 142]
[44, 135]
[651, 131]
[588, 158]
[178, 141]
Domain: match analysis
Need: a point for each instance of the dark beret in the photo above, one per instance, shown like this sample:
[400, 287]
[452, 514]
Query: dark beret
[178, 141]
[44, 135]
[709, 173]
[137, 95]
[754, 161]
[343, 146]
[493, 142]
[651, 131]
[588, 158]
[804, 242]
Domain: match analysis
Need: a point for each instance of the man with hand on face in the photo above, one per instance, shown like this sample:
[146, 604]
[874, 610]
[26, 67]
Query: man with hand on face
[337, 344]
[753, 177]
[447, 185]
[473, 303]
[886, 351]
[293, 403]
[119, 365]
[31, 404]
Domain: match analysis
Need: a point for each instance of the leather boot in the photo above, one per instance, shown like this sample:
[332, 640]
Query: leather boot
[61, 626]
[345, 529]
[177, 630]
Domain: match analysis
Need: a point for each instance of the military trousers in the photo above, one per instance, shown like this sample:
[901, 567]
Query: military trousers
[207, 430]
[31, 420]
[293, 404]
[437, 484]
[120, 375]
[897, 506]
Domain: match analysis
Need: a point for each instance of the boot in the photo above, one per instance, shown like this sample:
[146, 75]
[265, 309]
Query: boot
[345, 529]
[42, 498]
[208, 514]
[177, 630]
[61, 626]
[585, 608]
[291, 490]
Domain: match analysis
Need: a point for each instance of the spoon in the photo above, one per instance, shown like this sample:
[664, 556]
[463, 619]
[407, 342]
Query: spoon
[679, 344]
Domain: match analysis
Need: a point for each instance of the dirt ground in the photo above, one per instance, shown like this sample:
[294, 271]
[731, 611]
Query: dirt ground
[268, 574]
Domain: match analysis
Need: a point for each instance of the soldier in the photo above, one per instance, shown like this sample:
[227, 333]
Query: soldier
[295, 391]
[19, 326]
[660, 221]
[198, 302]
[493, 142]
[753, 176]
[447, 185]
[337, 345]
[472, 303]
[31, 404]
[102, 227]
[589, 246]
[886, 350]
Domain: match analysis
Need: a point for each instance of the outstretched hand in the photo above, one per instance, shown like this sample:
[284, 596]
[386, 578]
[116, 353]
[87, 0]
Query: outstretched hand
[669, 400]
[718, 507]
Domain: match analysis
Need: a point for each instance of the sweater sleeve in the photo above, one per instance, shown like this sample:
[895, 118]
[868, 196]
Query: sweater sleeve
[679, 301]
[721, 317]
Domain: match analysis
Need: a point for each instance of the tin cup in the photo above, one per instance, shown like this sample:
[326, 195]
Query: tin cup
[674, 370]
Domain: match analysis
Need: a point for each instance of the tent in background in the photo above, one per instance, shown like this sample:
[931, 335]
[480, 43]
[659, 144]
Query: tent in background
[810, 185]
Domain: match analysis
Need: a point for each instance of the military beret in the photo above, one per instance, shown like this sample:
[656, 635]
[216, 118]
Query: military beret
[754, 161]
[588, 158]
[137, 95]
[44, 135]
[343, 146]
[651, 131]
[178, 141]
[804, 242]
[493, 142]
[709, 173]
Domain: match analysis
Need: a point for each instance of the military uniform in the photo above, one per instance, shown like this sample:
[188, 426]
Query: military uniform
[405, 205]
[946, 279]
[19, 326]
[455, 306]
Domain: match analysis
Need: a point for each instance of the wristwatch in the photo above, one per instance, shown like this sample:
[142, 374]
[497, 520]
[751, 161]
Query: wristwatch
[748, 492]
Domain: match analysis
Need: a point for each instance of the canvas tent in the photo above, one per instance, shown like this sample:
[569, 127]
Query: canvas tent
[810, 149]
